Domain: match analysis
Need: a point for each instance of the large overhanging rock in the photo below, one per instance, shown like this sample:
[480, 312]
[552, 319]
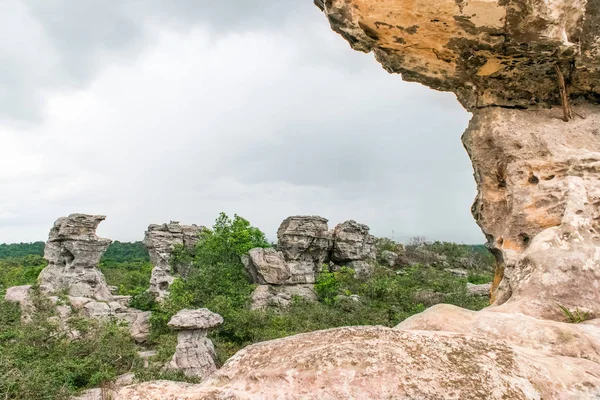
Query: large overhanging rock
[488, 52]
[160, 240]
[536, 174]
[73, 252]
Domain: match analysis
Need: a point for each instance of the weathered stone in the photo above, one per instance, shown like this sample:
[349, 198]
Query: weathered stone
[389, 258]
[195, 354]
[305, 238]
[73, 251]
[265, 296]
[488, 52]
[383, 363]
[160, 240]
[267, 266]
[458, 272]
[352, 242]
[539, 192]
[20, 294]
[362, 269]
[138, 322]
[200, 319]
[482, 290]
[557, 339]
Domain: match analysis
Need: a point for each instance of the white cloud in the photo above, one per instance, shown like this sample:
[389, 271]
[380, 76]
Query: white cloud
[261, 123]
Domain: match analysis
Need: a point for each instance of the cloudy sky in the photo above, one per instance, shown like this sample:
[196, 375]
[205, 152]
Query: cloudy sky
[151, 110]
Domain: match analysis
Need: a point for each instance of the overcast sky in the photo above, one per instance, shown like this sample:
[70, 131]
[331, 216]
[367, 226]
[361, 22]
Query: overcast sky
[149, 111]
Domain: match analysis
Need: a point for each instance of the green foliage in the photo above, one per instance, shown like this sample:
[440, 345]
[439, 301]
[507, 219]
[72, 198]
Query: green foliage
[131, 277]
[20, 271]
[574, 317]
[228, 240]
[122, 252]
[217, 279]
[478, 278]
[19, 250]
[127, 266]
[38, 360]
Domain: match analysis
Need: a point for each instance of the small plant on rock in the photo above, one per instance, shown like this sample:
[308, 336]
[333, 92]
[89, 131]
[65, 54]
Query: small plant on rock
[574, 317]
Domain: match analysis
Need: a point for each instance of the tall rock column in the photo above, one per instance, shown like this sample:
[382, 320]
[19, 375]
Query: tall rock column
[73, 252]
[529, 71]
[160, 240]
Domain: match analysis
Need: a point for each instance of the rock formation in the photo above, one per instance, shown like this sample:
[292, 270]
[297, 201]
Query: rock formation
[490, 53]
[160, 240]
[389, 258]
[73, 252]
[305, 243]
[536, 173]
[305, 240]
[354, 247]
[195, 353]
[538, 206]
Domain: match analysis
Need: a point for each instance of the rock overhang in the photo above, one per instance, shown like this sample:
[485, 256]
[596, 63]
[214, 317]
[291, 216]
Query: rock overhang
[488, 52]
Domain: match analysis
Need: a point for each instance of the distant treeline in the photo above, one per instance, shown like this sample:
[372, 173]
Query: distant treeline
[117, 252]
[18, 250]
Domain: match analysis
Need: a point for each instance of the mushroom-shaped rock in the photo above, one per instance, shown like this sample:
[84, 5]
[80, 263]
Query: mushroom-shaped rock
[195, 354]
[201, 319]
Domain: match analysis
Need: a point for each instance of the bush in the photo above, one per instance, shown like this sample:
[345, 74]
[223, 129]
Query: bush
[20, 271]
[38, 359]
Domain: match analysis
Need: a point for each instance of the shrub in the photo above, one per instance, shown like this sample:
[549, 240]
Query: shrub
[39, 360]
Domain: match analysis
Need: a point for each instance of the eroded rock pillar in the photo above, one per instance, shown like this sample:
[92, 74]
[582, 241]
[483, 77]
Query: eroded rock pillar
[538, 203]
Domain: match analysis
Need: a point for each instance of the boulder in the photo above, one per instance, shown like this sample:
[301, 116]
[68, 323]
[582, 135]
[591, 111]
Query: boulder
[267, 266]
[352, 242]
[195, 354]
[362, 269]
[160, 240]
[20, 295]
[265, 296]
[305, 238]
[482, 290]
[73, 251]
[389, 258]
[458, 272]
[538, 196]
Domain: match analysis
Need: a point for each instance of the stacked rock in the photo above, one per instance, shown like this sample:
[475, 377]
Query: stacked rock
[305, 243]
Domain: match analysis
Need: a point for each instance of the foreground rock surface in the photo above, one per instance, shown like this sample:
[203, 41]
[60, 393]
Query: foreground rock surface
[383, 363]
[160, 240]
[73, 252]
